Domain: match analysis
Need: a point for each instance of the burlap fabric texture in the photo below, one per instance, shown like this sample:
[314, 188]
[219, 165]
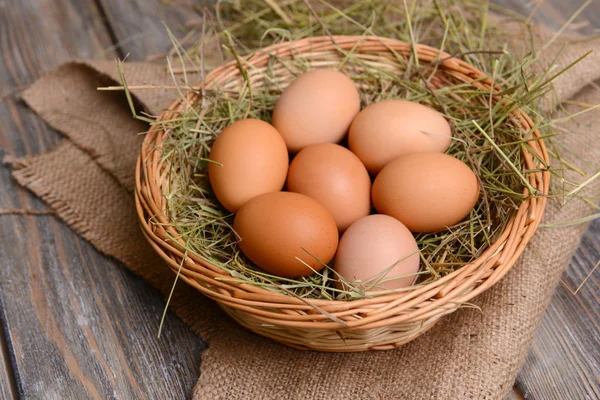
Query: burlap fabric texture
[470, 354]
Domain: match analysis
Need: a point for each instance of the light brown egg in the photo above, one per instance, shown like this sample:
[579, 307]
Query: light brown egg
[386, 130]
[427, 192]
[275, 228]
[317, 107]
[253, 160]
[335, 177]
[378, 252]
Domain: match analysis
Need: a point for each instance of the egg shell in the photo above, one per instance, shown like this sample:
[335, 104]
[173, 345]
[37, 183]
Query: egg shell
[317, 107]
[254, 160]
[275, 228]
[372, 245]
[335, 177]
[386, 130]
[427, 192]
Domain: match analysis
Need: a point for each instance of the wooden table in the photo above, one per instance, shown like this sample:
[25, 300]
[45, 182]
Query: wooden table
[77, 325]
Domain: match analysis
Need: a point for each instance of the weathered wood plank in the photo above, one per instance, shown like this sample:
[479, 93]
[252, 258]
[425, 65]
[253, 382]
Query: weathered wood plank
[564, 362]
[8, 389]
[80, 325]
[554, 13]
[139, 25]
[85, 327]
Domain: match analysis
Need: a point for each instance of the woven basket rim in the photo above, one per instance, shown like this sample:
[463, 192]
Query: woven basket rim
[464, 283]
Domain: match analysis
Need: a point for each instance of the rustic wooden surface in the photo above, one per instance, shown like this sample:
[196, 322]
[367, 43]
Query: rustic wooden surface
[7, 387]
[564, 361]
[138, 26]
[77, 325]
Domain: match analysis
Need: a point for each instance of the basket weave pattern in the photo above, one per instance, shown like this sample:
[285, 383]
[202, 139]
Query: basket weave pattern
[378, 323]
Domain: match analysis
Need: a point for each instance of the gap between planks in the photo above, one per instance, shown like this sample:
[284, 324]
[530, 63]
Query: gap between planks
[7, 362]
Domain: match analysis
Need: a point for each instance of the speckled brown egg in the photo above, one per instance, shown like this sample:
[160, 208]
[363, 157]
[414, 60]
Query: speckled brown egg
[376, 253]
[335, 177]
[427, 192]
[386, 130]
[318, 107]
[249, 158]
[277, 229]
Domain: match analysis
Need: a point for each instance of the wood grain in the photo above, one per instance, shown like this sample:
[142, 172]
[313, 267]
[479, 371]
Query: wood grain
[79, 325]
[138, 26]
[564, 362]
[554, 13]
[8, 387]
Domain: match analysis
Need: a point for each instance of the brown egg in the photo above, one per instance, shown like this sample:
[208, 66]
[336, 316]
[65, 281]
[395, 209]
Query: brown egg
[386, 130]
[275, 228]
[378, 252]
[317, 107]
[335, 177]
[254, 160]
[427, 192]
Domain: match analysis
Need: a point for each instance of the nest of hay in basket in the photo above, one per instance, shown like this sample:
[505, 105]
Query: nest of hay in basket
[187, 227]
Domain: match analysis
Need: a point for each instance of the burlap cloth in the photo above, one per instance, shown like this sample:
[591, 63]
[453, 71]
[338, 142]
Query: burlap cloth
[471, 354]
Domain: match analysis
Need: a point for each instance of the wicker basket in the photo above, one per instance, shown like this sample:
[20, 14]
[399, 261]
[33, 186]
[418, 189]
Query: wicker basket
[378, 323]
